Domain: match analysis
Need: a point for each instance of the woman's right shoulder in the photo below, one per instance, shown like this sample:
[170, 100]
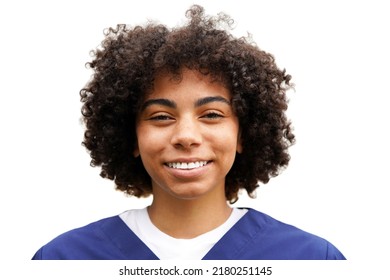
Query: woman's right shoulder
[82, 242]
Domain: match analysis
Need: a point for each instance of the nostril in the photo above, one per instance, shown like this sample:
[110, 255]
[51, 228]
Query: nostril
[186, 140]
[186, 145]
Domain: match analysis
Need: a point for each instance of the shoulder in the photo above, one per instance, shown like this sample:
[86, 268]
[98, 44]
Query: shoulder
[279, 240]
[81, 243]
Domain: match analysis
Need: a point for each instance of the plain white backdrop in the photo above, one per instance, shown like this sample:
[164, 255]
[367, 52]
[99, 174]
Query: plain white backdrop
[336, 51]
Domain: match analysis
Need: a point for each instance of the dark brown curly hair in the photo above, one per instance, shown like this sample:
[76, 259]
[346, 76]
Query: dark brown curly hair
[125, 66]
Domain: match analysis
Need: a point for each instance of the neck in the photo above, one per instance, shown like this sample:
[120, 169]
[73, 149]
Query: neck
[186, 219]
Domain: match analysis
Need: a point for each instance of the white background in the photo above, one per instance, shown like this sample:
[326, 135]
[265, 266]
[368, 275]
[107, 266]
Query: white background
[336, 51]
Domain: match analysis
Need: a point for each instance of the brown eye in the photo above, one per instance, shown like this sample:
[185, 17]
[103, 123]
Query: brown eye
[161, 118]
[212, 115]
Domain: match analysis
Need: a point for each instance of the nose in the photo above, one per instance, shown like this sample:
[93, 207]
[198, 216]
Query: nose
[187, 134]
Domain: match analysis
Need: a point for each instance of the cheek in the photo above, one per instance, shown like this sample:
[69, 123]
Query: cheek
[150, 141]
[227, 136]
[225, 143]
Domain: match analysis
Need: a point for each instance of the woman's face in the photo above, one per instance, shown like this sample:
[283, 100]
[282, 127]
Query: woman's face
[188, 136]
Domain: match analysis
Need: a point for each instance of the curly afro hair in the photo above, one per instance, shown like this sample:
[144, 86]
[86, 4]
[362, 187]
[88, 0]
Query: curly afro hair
[125, 66]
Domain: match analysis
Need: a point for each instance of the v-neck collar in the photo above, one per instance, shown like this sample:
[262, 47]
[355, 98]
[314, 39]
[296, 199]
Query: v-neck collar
[234, 243]
[133, 248]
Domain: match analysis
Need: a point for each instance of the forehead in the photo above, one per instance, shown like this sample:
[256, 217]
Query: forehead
[189, 83]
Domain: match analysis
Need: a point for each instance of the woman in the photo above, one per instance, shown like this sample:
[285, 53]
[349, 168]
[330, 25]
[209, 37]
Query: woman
[190, 115]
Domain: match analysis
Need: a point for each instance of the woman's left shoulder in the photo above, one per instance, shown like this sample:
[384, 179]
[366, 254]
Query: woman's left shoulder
[284, 241]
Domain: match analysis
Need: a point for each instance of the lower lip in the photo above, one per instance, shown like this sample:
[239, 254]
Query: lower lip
[188, 173]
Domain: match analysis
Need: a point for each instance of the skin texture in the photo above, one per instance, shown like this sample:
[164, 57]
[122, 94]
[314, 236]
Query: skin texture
[188, 121]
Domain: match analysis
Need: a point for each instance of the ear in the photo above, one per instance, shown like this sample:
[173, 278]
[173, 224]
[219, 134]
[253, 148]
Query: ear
[239, 143]
[136, 151]
[239, 147]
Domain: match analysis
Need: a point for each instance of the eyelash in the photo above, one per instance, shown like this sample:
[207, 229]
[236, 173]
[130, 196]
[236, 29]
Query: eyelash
[160, 118]
[212, 115]
[209, 116]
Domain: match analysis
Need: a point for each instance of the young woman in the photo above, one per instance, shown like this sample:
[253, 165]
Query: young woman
[190, 115]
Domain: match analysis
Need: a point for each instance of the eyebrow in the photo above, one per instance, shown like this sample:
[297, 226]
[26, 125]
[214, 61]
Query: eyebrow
[209, 99]
[171, 104]
[160, 101]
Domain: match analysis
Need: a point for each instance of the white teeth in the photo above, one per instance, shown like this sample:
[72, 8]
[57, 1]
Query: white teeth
[186, 165]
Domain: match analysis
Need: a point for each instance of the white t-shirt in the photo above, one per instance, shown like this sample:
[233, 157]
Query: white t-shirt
[166, 247]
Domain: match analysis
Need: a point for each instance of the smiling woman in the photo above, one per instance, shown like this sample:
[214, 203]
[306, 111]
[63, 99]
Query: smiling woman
[189, 115]
[187, 137]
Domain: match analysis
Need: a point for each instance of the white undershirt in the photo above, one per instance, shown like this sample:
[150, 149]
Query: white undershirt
[166, 247]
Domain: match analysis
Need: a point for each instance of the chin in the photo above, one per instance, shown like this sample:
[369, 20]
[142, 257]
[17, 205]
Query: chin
[189, 193]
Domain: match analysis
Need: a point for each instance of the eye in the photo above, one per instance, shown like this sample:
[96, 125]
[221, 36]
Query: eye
[160, 118]
[212, 116]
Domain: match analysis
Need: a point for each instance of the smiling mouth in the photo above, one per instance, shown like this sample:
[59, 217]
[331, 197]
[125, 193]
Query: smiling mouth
[186, 165]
